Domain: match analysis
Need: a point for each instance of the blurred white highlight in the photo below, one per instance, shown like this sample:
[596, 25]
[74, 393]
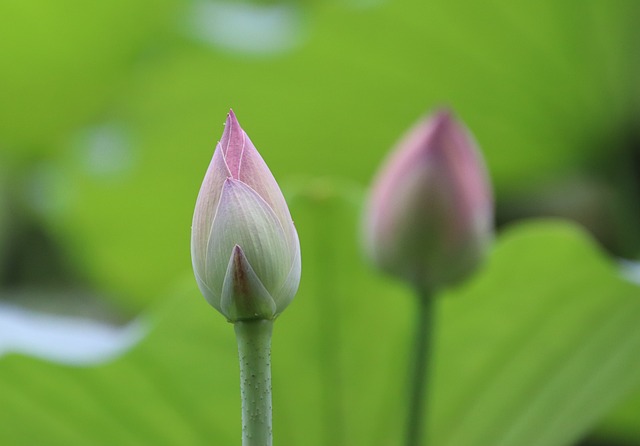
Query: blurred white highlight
[630, 270]
[66, 340]
[246, 27]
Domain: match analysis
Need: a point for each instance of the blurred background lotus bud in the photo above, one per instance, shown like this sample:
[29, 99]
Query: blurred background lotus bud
[244, 246]
[430, 214]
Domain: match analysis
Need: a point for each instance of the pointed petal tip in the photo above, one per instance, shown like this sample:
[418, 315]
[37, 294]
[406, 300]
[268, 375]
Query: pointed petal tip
[441, 124]
[233, 143]
[237, 257]
[231, 117]
[444, 112]
[231, 126]
[227, 187]
[442, 118]
[244, 297]
[229, 182]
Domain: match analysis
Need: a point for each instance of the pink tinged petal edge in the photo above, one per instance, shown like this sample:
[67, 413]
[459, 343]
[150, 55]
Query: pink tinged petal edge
[256, 174]
[463, 177]
[205, 210]
[212, 297]
[244, 297]
[470, 173]
[442, 157]
[246, 164]
[233, 144]
[411, 153]
[289, 288]
[396, 248]
[245, 219]
[442, 149]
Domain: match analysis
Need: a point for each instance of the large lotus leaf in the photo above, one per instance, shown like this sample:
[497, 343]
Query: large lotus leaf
[621, 425]
[533, 351]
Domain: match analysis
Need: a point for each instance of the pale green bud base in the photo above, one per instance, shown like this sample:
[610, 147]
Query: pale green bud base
[254, 351]
[421, 355]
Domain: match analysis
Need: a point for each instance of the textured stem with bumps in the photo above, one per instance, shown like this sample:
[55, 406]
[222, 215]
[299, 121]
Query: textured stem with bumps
[254, 350]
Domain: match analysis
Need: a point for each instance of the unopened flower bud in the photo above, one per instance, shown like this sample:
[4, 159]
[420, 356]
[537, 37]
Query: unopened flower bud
[430, 214]
[244, 246]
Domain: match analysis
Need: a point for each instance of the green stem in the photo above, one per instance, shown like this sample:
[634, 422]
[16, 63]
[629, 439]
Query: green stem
[254, 351]
[422, 350]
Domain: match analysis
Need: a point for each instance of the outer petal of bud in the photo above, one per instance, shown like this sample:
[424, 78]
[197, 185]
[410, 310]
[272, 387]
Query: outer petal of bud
[243, 294]
[430, 214]
[244, 246]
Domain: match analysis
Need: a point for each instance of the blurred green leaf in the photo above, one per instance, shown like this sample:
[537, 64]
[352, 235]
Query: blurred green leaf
[563, 344]
[546, 87]
[533, 351]
[622, 424]
[63, 61]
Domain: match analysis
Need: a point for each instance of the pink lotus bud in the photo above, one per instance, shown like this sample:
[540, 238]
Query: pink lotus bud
[244, 246]
[430, 214]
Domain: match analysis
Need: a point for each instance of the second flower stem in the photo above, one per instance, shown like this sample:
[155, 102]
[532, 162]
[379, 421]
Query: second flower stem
[254, 351]
[420, 363]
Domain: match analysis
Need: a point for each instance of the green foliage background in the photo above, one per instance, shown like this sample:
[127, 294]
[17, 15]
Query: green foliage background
[109, 113]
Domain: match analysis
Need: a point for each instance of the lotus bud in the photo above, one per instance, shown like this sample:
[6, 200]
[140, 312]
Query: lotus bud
[244, 246]
[430, 213]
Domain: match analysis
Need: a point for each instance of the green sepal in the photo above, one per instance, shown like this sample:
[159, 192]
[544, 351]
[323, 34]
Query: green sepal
[244, 297]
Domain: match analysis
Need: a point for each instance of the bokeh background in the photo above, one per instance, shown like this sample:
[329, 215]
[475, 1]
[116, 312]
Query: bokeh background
[110, 111]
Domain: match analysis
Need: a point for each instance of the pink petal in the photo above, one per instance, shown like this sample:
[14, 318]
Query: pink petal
[233, 143]
[246, 165]
[205, 210]
[430, 212]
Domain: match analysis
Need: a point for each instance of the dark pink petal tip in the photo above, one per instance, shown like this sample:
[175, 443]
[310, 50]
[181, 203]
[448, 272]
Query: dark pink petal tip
[441, 121]
[233, 142]
[231, 116]
[443, 113]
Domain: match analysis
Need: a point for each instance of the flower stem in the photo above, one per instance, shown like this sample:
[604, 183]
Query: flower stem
[254, 351]
[419, 376]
